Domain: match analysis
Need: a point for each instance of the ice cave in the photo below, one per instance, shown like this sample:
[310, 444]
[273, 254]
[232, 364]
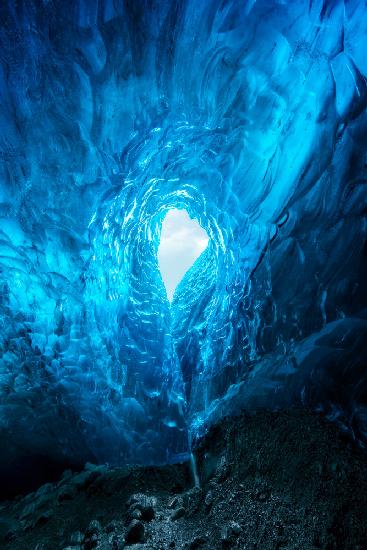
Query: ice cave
[246, 120]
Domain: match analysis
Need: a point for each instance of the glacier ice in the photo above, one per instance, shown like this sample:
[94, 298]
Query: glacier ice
[249, 115]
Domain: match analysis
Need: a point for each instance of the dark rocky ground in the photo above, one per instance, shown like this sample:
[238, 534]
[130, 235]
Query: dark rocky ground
[288, 480]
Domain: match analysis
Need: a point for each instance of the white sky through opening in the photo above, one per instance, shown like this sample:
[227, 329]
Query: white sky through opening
[182, 241]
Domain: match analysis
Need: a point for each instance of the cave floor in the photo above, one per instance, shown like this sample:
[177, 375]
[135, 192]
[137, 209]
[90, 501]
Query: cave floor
[287, 480]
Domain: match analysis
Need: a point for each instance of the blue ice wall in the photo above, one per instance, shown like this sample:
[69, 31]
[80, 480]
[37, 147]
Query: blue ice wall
[252, 116]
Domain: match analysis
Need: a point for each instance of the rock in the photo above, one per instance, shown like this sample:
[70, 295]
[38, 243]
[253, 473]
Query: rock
[104, 545]
[133, 500]
[178, 513]
[135, 532]
[134, 513]
[209, 498]
[77, 537]
[43, 518]
[45, 490]
[66, 493]
[197, 542]
[38, 519]
[192, 499]
[113, 525]
[148, 513]
[66, 475]
[93, 528]
[92, 535]
[89, 466]
[173, 502]
[26, 525]
[142, 503]
[82, 480]
[223, 470]
[235, 527]
[261, 494]
[91, 542]
[10, 535]
[230, 531]
[117, 542]
[39, 502]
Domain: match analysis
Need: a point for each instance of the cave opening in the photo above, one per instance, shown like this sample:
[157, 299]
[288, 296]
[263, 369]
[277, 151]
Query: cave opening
[182, 241]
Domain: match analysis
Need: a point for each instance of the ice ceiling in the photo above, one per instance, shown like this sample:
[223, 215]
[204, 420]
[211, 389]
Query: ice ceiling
[250, 115]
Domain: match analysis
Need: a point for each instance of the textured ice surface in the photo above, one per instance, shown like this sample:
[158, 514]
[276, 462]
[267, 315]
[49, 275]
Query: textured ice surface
[249, 115]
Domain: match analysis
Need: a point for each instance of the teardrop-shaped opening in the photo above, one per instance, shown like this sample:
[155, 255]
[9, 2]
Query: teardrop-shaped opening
[182, 241]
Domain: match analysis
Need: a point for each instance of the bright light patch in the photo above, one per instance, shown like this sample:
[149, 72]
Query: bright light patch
[182, 241]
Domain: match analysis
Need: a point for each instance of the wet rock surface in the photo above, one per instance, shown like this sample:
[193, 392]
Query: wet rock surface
[287, 480]
[135, 532]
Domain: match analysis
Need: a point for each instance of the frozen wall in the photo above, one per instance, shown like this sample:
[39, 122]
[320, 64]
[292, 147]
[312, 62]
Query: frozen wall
[252, 116]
